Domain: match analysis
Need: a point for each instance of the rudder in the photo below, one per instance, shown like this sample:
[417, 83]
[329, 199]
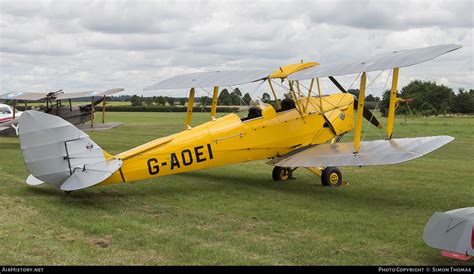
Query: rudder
[58, 153]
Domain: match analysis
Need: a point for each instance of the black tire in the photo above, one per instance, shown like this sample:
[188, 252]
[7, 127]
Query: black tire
[331, 177]
[281, 173]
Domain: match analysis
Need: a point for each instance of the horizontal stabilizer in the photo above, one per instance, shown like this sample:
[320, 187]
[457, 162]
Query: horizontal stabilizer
[91, 175]
[33, 181]
[379, 152]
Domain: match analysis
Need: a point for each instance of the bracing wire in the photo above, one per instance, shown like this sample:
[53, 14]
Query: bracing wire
[378, 102]
[250, 94]
[207, 99]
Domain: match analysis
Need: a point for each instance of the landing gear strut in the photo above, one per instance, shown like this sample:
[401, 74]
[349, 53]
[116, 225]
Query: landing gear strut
[282, 173]
[330, 176]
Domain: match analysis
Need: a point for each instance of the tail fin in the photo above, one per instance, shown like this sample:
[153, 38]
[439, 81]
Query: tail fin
[58, 153]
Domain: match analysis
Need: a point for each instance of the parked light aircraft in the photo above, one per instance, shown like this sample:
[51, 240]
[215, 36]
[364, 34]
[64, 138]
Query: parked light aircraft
[7, 118]
[302, 132]
[75, 114]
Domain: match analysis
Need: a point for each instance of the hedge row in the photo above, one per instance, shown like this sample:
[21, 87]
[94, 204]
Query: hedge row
[156, 109]
[163, 109]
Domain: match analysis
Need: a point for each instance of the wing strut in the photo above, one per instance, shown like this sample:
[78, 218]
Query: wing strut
[92, 111]
[360, 107]
[320, 98]
[189, 113]
[292, 91]
[309, 94]
[274, 93]
[14, 108]
[103, 110]
[214, 103]
[392, 105]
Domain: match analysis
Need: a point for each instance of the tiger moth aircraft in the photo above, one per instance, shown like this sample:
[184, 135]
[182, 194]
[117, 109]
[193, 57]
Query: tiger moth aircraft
[75, 114]
[303, 131]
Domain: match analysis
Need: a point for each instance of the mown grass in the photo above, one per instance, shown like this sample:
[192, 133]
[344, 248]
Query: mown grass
[237, 214]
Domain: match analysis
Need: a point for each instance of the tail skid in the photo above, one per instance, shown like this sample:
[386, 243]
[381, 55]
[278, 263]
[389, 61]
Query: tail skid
[57, 153]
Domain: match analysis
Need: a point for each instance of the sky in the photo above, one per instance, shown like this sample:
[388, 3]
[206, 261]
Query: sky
[97, 45]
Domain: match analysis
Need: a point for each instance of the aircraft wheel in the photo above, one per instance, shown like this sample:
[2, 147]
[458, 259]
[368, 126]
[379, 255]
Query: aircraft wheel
[331, 177]
[281, 173]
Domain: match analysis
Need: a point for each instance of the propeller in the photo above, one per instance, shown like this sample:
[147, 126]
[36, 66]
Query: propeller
[366, 112]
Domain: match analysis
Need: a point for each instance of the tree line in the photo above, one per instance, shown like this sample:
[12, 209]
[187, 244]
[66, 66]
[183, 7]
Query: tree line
[427, 98]
[226, 98]
[423, 98]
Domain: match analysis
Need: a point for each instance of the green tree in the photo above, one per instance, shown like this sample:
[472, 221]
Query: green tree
[371, 98]
[169, 100]
[427, 98]
[205, 100]
[136, 101]
[384, 104]
[236, 95]
[427, 109]
[225, 98]
[266, 98]
[159, 100]
[439, 97]
[247, 99]
[148, 101]
[463, 102]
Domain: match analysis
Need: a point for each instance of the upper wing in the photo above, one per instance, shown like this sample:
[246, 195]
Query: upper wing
[284, 71]
[34, 96]
[379, 152]
[82, 94]
[105, 92]
[396, 59]
[211, 79]
[23, 95]
[71, 95]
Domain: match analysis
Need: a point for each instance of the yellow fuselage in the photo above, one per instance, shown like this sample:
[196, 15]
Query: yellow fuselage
[229, 140]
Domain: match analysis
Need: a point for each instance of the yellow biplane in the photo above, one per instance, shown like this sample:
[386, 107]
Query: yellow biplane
[303, 131]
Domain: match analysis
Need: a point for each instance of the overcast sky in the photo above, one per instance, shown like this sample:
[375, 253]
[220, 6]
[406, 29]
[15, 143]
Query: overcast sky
[87, 45]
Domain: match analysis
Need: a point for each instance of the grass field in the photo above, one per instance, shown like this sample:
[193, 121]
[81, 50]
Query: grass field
[237, 214]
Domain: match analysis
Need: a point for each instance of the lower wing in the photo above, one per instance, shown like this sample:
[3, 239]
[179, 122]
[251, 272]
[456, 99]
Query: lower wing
[379, 152]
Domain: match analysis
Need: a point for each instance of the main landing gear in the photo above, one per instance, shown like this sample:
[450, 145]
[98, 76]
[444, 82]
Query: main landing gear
[282, 173]
[330, 176]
